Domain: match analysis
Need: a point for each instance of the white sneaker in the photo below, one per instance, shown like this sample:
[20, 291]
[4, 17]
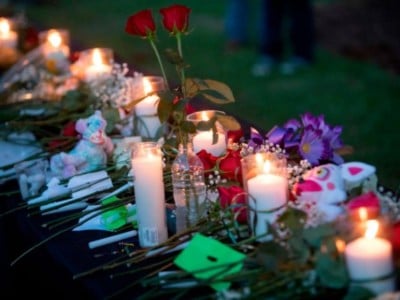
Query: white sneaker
[263, 67]
[291, 66]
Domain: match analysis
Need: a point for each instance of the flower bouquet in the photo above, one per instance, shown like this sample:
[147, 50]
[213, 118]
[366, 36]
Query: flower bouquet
[285, 214]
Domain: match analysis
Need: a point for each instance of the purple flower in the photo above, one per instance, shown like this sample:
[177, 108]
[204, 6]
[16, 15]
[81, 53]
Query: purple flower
[312, 147]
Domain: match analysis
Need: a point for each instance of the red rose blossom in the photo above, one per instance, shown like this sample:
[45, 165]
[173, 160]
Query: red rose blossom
[176, 18]
[234, 196]
[234, 136]
[395, 238]
[141, 23]
[230, 167]
[209, 161]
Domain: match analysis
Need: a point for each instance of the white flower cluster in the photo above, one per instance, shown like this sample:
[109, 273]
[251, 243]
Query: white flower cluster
[118, 89]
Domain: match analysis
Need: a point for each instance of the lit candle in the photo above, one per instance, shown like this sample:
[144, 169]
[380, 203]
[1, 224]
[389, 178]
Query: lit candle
[149, 194]
[146, 110]
[267, 192]
[55, 49]
[98, 68]
[369, 258]
[204, 140]
[8, 38]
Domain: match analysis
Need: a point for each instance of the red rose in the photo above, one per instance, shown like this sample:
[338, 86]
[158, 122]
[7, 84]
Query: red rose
[234, 196]
[176, 18]
[141, 24]
[69, 129]
[209, 161]
[369, 201]
[395, 238]
[230, 166]
[234, 136]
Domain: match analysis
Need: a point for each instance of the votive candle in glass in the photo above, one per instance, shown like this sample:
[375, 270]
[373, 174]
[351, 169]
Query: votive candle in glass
[369, 261]
[266, 185]
[204, 139]
[8, 37]
[97, 63]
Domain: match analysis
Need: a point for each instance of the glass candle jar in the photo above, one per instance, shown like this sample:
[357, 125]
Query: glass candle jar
[266, 185]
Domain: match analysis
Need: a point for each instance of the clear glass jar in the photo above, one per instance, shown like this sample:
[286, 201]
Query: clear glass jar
[189, 188]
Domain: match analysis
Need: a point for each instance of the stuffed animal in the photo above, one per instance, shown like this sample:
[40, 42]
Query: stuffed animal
[91, 152]
[324, 188]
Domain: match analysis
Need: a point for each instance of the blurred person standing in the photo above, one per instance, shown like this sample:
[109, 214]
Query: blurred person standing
[236, 24]
[300, 17]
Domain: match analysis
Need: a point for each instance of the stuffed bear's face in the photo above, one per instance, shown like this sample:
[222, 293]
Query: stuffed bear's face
[92, 128]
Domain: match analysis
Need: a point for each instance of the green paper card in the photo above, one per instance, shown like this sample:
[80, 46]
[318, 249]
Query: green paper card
[114, 218]
[207, 258]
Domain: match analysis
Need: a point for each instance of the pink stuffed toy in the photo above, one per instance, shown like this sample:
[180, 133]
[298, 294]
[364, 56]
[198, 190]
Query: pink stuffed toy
[91, 152]
[323, 190]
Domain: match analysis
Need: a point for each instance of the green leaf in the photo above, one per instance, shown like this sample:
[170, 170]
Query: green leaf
[173, 57]
[315, 235]
[164, 109]
[270, 255]
[358, 293]
[293, 219]
[112, 117]
[331, 272]
[212, 90]
[228, 122]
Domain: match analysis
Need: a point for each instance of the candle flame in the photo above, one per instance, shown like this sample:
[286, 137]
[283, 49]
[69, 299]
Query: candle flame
[97, 60]
[340, 245]
[147, 86]
[54, 38]
[204, 116]
[4, 26]
[372, 229]
[363, 214]
[267, 167]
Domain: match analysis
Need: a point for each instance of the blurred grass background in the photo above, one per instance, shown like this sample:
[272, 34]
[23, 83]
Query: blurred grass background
[360, 96]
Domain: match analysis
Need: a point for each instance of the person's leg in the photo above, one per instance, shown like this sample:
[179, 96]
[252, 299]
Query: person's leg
[302, 31]
[271, 42]
[236, 22]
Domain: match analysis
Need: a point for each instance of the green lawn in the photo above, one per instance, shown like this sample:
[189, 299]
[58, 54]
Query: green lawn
[360, 96]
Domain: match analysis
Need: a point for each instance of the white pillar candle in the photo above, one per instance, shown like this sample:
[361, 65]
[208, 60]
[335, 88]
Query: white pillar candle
[97, 68]
[370, 257]
[147, 168]
[8, 38]
[204, 140]
[266, 192]
[146, 111]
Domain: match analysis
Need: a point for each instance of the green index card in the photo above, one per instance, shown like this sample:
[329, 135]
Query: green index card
[207, 259]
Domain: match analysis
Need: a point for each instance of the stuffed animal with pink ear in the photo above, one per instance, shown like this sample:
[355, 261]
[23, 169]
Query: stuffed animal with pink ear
[91, 152]
[324, 188]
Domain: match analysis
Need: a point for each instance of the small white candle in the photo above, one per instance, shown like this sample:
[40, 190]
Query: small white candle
[98, 69]
[204, 140]
[8, 38]
[150, 196]
[370, 257]
[267, 191]
[146, 110]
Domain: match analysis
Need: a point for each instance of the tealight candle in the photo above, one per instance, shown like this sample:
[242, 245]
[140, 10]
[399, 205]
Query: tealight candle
[54, 43]
[147, 167]
[205, 139]
[99, 64]
[146, 111]
[267, 192]
[8, 38]
[369, 261]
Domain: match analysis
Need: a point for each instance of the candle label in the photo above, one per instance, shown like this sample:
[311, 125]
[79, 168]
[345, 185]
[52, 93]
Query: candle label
[150, 236]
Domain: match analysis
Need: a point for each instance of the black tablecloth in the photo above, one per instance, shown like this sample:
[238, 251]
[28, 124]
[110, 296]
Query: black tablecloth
[49, 270]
